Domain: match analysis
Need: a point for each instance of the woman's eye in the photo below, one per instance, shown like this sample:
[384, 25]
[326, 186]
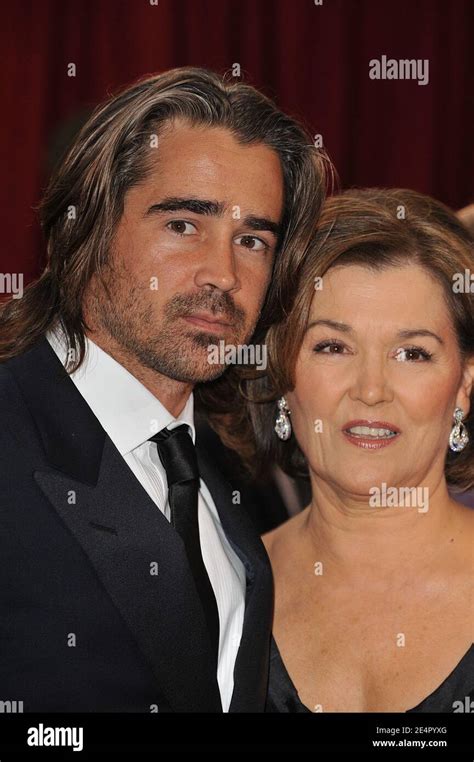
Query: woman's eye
[251, 242]
[412, 354]
[329, 348]
[181, 227]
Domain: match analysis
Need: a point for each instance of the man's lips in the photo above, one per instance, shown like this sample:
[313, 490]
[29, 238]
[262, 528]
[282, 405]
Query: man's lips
[369, 434]
[207, 320]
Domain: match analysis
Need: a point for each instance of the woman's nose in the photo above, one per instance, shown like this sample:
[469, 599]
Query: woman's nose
[371, 383]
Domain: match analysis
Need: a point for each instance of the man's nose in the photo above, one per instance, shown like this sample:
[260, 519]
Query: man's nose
[217, 266]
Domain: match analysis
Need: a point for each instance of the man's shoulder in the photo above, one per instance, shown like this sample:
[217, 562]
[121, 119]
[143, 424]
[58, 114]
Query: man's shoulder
[26, 383]
[31, 351]
[8, 385]
[16, 367]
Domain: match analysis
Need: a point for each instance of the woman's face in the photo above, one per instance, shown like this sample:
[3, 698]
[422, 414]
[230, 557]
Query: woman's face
[379, 356]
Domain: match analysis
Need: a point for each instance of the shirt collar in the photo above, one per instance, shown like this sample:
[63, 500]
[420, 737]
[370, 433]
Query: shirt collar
[128, 412]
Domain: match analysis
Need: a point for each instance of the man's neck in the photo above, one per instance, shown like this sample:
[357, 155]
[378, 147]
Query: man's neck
[172, 394]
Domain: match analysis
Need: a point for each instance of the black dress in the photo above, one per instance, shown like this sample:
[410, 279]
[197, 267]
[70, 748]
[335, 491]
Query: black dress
[458, 687]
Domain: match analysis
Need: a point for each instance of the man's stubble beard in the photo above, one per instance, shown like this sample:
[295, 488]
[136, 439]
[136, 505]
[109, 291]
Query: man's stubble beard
[121, 312]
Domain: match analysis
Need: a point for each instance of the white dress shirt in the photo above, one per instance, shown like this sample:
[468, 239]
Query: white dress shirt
[130, 415]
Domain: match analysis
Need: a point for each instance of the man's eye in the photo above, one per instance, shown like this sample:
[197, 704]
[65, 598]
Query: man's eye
[181, 227]
[251, 242]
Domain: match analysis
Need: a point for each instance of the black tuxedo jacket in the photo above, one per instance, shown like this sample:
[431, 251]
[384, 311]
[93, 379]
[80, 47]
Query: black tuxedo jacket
[85, 626]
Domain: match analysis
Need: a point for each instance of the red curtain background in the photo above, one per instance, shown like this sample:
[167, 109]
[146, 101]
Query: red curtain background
[313, 59]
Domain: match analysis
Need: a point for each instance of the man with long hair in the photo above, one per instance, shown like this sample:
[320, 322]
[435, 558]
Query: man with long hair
[131, 578]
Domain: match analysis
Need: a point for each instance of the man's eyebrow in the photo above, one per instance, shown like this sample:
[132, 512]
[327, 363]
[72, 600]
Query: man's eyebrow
[405, 334]
[211, 208]
[262, 223]
[195, 205]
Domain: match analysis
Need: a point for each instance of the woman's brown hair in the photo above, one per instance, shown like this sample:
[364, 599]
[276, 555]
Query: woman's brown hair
[374, 228]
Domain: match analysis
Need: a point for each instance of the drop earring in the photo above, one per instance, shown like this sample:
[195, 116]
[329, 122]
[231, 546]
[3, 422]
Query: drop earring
[459, 437]
[283, 423]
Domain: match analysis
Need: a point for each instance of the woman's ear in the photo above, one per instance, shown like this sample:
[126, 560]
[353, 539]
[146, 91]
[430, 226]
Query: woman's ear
[463, 399]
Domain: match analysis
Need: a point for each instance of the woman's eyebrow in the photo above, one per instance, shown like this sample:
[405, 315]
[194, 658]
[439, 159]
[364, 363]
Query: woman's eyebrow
[410, 334]
[337, 326]
[404, 334]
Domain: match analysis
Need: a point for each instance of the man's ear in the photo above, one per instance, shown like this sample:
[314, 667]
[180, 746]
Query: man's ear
[463, 400]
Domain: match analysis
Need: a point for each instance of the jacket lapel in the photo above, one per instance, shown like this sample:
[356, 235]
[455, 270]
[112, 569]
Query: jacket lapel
[138, 557]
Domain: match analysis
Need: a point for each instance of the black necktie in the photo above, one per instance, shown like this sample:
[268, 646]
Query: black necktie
[177, 453]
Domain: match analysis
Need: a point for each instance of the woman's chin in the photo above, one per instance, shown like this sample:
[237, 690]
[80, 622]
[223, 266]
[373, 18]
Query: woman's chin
[365, 484]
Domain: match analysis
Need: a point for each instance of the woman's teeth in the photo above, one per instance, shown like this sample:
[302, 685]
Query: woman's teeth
[366, 431]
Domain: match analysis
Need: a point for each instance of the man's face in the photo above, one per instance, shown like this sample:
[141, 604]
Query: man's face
[192, 255]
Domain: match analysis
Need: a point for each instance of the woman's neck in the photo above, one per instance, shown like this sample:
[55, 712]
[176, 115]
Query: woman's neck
[353, 539]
